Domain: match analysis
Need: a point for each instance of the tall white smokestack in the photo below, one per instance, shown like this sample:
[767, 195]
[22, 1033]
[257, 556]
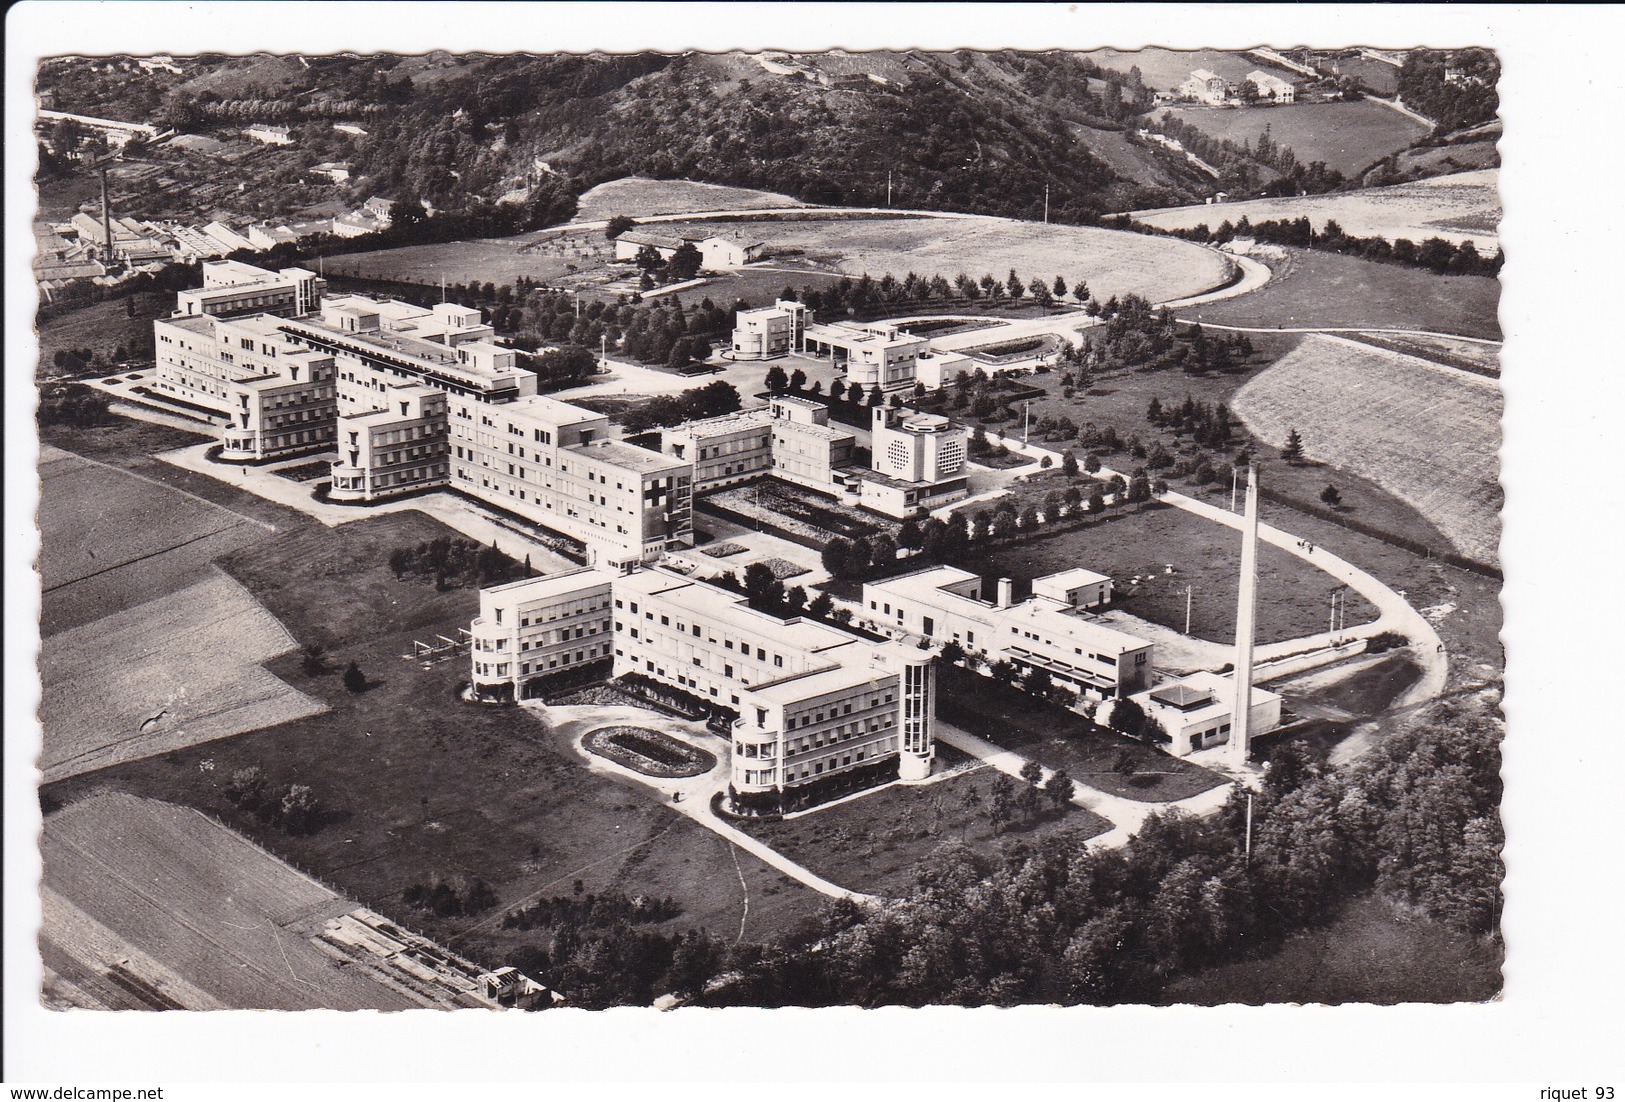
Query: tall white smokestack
[1246, 613]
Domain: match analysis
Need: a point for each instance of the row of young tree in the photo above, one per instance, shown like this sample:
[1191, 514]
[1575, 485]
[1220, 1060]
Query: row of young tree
[1415, 821]
[867, 295]
[711, 400]
[1433, 253]
[454, 562]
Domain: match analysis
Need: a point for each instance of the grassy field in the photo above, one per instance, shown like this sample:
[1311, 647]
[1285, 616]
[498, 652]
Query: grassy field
[1468, 201]
[1430, 435]
[1061, 739]
[1167, 69]
[1318, 289]
[176, 671]
[1292, 595]
[1379, 76]
[638, 197]
[333, 586]
[415, 782]
[1349, 137]
[102, 327]
[1119, 400]
[140, 880]
[1368, 955]
[1113, 262]
[549, 258]
[110, 540]
[877, 843]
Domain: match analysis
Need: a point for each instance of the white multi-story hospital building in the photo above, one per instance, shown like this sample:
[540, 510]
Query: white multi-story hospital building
[412, 398]
[807, 700]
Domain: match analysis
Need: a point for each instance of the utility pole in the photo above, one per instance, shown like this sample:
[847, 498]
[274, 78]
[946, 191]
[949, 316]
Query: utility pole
[1247, 855]
[1026, 419]
[1188, 610]
[1246, 613]
[1046, 204]
[1234, 474]
[888, 189]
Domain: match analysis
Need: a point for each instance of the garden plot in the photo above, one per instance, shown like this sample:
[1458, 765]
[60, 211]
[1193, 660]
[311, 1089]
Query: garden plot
[1348, 137]
[170, 673]
[1465, 206]
[1426, 433]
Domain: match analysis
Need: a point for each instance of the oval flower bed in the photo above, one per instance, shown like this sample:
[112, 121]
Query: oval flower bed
[649, 752]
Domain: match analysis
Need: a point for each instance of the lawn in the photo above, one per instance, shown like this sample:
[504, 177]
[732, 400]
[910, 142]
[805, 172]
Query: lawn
[102, 327]
[1061, 739]
[1428, 434]
[1461, 206]
[333, 586]
[1348, 137]
[416, 782]
[1311, 289]
[1367, 955]
[1141, 543]
[878, 843]
[1113, 262]
[638, 197]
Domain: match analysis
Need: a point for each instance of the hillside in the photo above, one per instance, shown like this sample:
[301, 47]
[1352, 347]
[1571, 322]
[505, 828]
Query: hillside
[978, 132]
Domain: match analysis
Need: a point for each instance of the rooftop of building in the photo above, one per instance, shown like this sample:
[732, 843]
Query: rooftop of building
[723, 424]
[724, 610]
[822, 432]
[1204, 694]
[551, 585]
[630, 457]
[854, 665]
[551, 410]
[201, 324]
[1071, 579]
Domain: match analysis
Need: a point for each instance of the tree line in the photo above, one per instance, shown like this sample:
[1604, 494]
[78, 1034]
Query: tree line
[454, 562]
[1434, 253]
[1415, 821]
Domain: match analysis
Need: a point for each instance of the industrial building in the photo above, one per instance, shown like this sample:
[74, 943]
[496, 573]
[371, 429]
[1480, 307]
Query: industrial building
[1197, 711]
[1048, 631]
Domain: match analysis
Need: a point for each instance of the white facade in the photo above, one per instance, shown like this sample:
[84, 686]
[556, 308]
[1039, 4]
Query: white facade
[806, 700]
[769, 331]
[791, 439]
[872, 354]
[1197, 711]
[413, 398]
[270, 135]
[1206, 86]
[1271, 87]
[945, 603]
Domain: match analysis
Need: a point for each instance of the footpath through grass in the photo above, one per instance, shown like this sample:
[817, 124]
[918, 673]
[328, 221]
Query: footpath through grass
[1060, 739]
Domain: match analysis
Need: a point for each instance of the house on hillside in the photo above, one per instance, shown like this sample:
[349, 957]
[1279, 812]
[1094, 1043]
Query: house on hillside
[355, 224]
[270, 135]
[1272, 88]
[381, 209]
[1205, 86]
[716, 252]
[334, 171]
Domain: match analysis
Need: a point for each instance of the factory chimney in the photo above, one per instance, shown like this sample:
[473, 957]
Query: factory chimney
[1246, 612]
